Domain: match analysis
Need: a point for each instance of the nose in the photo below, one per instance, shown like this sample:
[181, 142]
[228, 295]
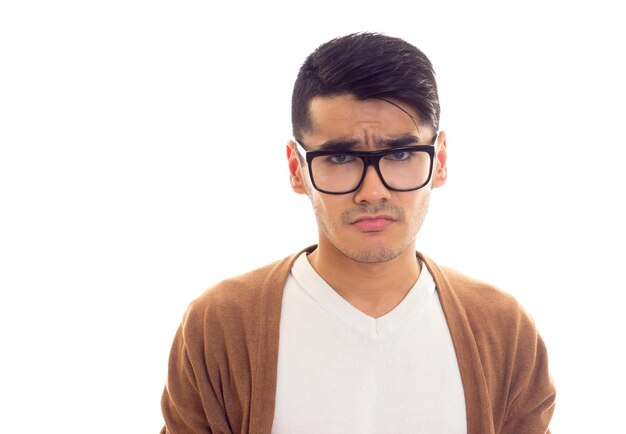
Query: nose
[372, 189]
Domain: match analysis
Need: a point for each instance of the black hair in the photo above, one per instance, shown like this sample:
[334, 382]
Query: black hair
[366, 65]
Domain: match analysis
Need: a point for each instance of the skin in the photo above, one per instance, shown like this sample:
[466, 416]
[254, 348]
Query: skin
[372, 268]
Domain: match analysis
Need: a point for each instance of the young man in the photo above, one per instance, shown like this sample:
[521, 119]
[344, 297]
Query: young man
[360, 334]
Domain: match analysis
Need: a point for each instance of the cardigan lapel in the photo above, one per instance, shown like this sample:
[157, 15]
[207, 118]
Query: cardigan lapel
[265, 359]
[477, 402]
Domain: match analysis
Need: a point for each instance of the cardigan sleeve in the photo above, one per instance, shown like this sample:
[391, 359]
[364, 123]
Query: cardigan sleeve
[191, 402]
[533, 394]
[181, 402]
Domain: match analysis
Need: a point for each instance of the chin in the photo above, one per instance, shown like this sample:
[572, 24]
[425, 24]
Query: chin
[373, 255]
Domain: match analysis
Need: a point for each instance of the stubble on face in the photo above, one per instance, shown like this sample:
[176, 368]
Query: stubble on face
[381, 251]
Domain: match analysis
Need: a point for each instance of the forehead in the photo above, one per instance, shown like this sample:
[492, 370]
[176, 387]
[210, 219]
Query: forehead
[345, 116]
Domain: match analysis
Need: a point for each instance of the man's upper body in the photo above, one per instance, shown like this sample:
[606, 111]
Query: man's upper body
[224, 362]
[367, 151]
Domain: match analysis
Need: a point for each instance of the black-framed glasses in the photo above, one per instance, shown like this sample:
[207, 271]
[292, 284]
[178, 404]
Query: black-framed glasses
[405, 168]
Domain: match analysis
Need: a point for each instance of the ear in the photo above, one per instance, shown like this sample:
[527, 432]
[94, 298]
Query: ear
[440, 171]
[295, 171]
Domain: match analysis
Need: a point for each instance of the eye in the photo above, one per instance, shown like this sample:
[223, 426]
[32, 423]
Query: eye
[398, 156]
[340, 158]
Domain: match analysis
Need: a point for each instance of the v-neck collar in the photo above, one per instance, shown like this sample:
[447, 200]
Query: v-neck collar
[329, 300]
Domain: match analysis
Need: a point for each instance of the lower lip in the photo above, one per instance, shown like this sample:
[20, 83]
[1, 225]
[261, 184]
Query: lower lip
[373, 225]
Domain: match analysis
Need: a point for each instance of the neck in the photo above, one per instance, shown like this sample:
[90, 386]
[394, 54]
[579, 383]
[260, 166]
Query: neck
[373, 288]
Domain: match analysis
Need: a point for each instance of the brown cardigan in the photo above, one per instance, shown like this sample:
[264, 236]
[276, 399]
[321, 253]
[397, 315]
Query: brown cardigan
[223, 362]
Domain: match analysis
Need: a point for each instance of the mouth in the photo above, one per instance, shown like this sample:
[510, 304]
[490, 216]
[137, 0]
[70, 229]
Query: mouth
[373, 223]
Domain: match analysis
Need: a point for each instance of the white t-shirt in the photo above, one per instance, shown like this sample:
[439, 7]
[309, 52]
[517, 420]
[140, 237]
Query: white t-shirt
[342, 371]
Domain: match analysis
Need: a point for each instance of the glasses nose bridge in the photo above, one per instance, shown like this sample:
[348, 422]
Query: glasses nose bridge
[371, 160]
[374, 161]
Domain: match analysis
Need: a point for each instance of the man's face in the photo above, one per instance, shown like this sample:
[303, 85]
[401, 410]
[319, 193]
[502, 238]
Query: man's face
[372, 224]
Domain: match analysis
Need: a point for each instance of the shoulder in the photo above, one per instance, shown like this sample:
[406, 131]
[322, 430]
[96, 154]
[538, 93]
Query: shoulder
[488, 310]
[240, 301]
[237, 290]
[236, 296]
[478, 296]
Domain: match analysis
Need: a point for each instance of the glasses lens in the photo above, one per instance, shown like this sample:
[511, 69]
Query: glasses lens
[405, 170]
[336, 173]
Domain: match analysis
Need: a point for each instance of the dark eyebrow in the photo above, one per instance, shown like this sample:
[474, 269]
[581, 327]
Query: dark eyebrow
[342, 145]
[406, 140]
[338, 145]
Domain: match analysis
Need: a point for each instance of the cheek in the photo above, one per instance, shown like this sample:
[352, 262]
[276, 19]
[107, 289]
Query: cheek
[417, 204]
[318, 205]
[420, 205]
[327, 207]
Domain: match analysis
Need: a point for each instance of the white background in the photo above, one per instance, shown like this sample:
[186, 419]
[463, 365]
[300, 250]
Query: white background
[142, 159]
